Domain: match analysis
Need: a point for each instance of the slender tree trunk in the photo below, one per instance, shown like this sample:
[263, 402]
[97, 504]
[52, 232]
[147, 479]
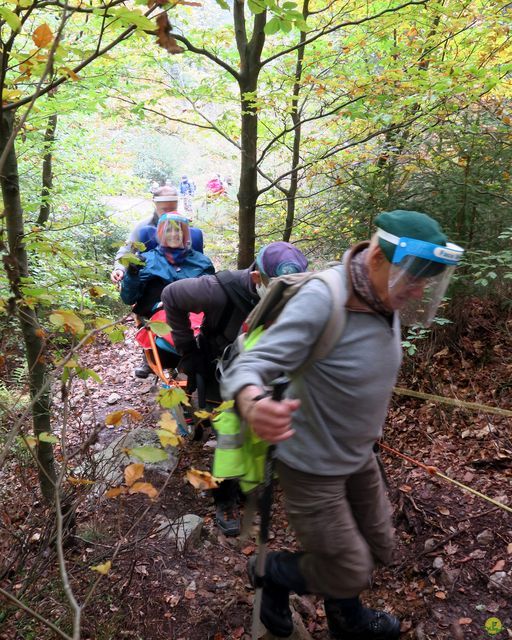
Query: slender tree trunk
[250, 66]
[248, 190]
[297, 133]
[47, 176]
[16, 267]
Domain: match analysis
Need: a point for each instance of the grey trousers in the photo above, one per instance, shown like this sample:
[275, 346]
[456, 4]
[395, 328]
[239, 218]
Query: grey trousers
[343, 524]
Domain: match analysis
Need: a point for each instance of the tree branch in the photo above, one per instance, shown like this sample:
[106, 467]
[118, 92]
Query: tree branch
[98, 53]
[207, 54]
[34, 614]
[337, 27]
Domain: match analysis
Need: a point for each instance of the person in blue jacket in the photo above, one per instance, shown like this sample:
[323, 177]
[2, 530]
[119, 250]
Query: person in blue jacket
[172, 259]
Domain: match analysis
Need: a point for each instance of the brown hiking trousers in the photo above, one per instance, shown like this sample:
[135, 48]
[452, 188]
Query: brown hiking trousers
[343, 524]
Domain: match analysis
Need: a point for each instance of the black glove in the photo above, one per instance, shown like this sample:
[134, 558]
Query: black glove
[192, 361]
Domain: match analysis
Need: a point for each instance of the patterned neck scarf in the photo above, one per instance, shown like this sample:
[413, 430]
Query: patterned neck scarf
[363, 286]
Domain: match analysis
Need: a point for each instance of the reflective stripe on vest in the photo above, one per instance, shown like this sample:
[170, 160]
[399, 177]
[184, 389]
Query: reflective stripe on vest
[229, 440]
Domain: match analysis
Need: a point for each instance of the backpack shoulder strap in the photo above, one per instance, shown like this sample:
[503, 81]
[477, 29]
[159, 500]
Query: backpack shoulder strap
[336, 281]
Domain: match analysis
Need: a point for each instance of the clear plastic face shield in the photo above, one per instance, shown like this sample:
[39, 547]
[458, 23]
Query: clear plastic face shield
[419, 276]
[173, 232]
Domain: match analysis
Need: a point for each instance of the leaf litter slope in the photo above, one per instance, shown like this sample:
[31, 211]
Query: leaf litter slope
[453, 566]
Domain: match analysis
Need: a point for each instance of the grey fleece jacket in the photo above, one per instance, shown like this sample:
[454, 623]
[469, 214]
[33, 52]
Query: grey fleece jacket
[344, 397]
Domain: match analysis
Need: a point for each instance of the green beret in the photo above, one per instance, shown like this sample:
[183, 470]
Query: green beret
[411, 224]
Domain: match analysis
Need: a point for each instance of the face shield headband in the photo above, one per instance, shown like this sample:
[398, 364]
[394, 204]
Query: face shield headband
[419, 276]
[168, 198]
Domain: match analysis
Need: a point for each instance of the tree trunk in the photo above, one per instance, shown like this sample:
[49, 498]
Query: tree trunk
[248, 190]
[47, 176]
[297, 132]
[250, 66]
[16, 267]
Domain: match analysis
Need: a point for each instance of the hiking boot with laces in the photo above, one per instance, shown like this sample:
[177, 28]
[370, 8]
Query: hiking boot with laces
[228, 518]
[368, 624]
[275, 611]
[143, 370]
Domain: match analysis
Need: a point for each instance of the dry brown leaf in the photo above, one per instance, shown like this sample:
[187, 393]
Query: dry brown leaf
[451, 549]
[441, 595]
[444, 511]
[144, 487]
[201, 480]
[42, 36]
[405, 488]
[116, 417]
[499, 566]
[133, 472]
[465, 620]
[189, 595]
[509, 549]
[248, 550]
[163, 35]
[115, 491]
[79, 481]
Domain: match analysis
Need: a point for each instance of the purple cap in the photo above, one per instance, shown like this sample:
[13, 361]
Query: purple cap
[279, 258]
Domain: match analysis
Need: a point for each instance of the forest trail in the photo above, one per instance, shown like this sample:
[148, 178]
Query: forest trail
[453, 565]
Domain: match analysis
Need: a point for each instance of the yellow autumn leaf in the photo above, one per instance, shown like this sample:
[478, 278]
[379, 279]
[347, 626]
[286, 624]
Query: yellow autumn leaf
[144, 487]
[116, 417]
[70, 73]
[133, 472]
[67, 320]
[42, 36]
[168, 423]
[168, 439]
[201, 480]
[227, 404]
[202, 415]
[31, 441]
[115, 491]
[102, 568]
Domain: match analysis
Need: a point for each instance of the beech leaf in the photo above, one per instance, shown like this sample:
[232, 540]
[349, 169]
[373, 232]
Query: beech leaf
[47, 437]
[42, 36]
[103, 568]
[116, 417]
[168, 422]
[201, 480]
[148, 454]
[163, 35]
[159, 328]
[116, 491]
[168, 439]
[144, 487]
[133, 472]
[68, 320]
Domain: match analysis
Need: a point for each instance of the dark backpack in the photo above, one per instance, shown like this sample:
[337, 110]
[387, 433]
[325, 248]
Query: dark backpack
[281, 290]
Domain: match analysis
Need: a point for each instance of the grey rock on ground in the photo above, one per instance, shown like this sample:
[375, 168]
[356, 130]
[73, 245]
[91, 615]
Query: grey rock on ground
[184, 532]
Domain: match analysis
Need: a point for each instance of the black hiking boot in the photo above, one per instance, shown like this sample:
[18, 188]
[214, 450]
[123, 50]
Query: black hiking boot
[227, 516]
[227, 513]
[143, 370]
[282, 575]
[358, 622]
